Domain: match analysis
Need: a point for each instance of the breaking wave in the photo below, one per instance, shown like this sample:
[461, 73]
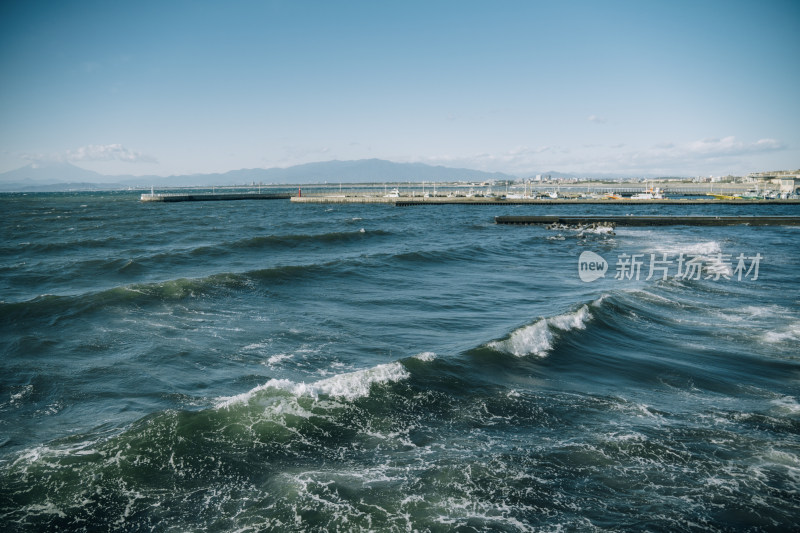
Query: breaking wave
[347, 386]
[538, 338]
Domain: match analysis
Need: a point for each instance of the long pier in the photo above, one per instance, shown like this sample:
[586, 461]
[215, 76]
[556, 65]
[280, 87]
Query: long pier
[573, 201]
[340, 199]
[212, 197]
[405, 201]
[652, 220]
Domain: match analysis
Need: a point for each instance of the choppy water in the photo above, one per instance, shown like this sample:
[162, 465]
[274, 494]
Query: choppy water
[254, 366]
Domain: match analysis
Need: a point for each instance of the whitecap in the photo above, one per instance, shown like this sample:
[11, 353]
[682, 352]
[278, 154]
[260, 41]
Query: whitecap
[786, 405]
[537, 338]
[256, 346]
[425, 356]
[278, 358]
[347, 386]
[790, 332]
[708, 254]
[599, 230]
[701, 248]
[17, 398]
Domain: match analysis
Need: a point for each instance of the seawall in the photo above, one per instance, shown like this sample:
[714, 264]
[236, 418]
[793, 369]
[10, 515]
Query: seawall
[649, 220]
[211, 197]
[406, 201]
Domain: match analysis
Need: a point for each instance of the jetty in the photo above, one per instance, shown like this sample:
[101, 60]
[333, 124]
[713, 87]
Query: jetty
[212, 197]
[574, 201]
[339, 199]
[406, 201]
[651, 220]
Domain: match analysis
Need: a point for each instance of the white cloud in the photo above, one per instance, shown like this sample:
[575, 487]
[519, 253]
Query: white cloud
[701, 153]
[727, 146]
[596, 119]
[692, 158]
[518, 160]
[718, 156]
[108, 152]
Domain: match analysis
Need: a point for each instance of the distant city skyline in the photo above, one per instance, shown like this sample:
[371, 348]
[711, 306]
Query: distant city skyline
[650, 88]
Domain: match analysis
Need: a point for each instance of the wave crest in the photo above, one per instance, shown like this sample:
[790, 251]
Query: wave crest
[537, 338]
[349, 386]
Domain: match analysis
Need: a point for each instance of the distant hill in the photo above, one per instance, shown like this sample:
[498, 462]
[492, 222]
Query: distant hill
[42, 175]
[60, 176]
[364, 170]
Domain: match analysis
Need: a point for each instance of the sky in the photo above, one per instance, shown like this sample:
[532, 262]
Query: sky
[655, 88]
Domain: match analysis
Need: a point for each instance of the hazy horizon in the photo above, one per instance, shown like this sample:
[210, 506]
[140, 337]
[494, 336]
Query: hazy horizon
[364, 171]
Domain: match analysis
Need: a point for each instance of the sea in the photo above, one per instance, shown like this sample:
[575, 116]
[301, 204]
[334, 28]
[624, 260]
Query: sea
[270, 366]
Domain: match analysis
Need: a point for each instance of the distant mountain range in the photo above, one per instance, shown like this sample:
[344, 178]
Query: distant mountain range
[59, 176]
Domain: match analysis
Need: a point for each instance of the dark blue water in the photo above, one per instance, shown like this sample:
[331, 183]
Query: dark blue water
[262, 365]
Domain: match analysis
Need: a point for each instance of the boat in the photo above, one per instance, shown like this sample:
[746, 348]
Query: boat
[394, 193]
[724, 196]
[649, 194]
[517, 196]
[753, 194]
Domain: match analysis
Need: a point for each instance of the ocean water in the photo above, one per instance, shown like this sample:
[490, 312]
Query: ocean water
[260, 366]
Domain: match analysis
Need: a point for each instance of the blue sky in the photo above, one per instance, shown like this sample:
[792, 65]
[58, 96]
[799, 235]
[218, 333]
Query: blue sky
[634, 87]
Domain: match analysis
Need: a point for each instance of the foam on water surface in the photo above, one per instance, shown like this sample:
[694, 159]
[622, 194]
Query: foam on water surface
[537, 338]
[347, 386]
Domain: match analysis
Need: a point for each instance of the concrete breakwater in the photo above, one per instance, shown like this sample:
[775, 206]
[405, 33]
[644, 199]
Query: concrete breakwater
[573, 201]
[334, 199]
[405, 201]
[651, 220]
[212, 197]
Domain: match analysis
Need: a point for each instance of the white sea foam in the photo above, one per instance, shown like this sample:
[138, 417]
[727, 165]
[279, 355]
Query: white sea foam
[347, 386]
[753, 311]
[16, 398]
[700, 248]
[537, 338]
[256, 346]
[278, 358]
[425, 356]
[708, 253]
[599, 230]
[48, 508]
[711, 254]
[48, 454]
[789, 332]
[786, 405]
[567, 321]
